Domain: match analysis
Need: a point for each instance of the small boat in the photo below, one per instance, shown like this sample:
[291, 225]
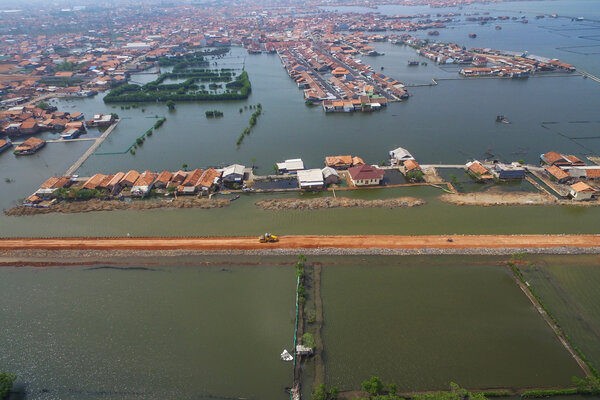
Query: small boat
[498, 27]
[503, 119]
[424, 63]
[286, 356]
[413, 62]
[472, 35]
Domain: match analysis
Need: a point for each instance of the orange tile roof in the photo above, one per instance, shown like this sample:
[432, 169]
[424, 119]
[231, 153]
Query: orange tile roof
[557, 172]
[582, 187]
[193, 178]
[411, 165]
[94, 182]
[208, 178]
[338, 161]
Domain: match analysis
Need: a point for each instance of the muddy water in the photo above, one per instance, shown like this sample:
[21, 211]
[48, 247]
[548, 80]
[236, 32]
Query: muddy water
[242, 217]
[170, 333]
[422, 322]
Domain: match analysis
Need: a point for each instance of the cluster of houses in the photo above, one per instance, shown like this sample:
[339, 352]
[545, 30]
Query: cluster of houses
[495, 171]
[571, 171]
[322, 71]
[136, 184]
[29, 120]
[567, 171]
[358, 173]
[483, 62]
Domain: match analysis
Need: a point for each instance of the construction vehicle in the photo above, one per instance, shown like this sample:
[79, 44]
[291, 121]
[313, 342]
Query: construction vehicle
[268, 238]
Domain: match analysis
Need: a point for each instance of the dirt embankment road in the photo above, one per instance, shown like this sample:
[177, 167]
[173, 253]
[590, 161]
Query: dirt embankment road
[308, 242]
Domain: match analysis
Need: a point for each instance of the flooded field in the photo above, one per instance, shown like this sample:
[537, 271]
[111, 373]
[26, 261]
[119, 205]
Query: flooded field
[568, 286]
[186, 331]
[422, 322]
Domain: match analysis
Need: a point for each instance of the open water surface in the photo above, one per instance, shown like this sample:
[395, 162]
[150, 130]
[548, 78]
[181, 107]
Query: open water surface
[160, 332]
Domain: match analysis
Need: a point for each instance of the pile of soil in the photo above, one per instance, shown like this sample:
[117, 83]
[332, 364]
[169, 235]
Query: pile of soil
[70, 207]
[493, 198]
[331, 202]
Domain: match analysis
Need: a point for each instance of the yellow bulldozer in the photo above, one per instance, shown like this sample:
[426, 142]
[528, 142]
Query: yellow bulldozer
[268, 238]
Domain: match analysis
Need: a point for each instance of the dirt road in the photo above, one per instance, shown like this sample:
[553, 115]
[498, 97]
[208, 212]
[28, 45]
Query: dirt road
[307, 242]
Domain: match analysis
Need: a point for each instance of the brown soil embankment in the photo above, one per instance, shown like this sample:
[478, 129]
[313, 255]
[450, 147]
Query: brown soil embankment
[309, 242]
[70, 207]
[498, 199]
[332, 202]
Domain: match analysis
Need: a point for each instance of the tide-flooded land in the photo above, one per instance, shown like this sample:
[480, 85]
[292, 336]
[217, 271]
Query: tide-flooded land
[419, 322]
[382, 200]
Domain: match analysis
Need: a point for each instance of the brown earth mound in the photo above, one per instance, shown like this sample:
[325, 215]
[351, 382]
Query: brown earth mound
[498, 199]
[331, 202]
[68, 207]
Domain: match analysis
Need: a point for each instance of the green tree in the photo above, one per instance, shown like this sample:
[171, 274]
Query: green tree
[308, 340]
[373, 386]
[184, 166]
[43, 105]
[323, 393]
[6, 383]
[171, 105]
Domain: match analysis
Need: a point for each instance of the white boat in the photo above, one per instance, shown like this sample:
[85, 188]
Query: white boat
[286, 356]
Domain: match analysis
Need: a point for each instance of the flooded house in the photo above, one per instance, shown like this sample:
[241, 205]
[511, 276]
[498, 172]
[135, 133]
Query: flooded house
[290, 166]
[560, 160]
[508, 171]
[311, 179]
[366, 175]
[330, 176]
[399, 155]
[30, 146]
[4, 145]
[478, 171]
[339, 162]
[233, 174]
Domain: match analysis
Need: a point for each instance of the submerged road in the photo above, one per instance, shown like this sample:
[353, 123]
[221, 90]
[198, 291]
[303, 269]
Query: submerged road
[308, 242]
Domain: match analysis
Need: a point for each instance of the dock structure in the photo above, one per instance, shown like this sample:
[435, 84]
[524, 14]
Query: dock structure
[91, 150]
[588, 75]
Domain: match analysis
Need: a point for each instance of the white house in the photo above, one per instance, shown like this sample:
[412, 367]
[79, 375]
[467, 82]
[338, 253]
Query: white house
[399, 155]
[292, 165]
[581, 191]
[310, 179]
[233, 174]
